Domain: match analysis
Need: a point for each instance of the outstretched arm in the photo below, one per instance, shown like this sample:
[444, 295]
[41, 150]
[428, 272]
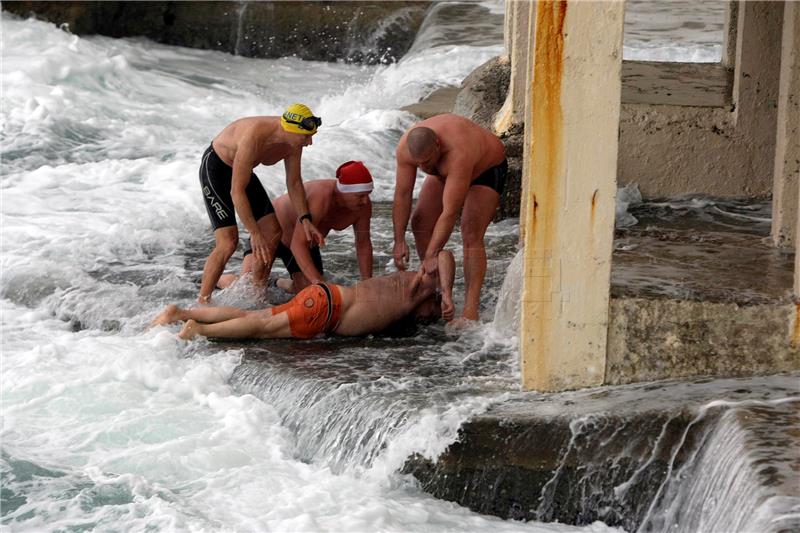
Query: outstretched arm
[401, 208]
[364, 243]
[300, 246]
[455, 193]
[297, 194]
[447, 273]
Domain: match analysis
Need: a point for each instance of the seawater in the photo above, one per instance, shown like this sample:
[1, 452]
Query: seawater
[110, 425]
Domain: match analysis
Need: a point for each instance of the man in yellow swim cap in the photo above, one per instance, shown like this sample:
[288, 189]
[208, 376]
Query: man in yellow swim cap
[231, 187]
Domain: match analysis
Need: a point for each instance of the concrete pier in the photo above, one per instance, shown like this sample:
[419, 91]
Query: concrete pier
[787, 143]
[570, 196]
[612, 454]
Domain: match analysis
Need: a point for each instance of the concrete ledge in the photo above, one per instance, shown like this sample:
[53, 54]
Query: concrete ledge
[624, 454]
[680, 84]
[660, 339]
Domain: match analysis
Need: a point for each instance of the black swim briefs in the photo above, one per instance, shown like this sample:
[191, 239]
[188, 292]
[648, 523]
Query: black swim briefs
[290, 262]
[494, 178]
[288, 259]
[215, 182]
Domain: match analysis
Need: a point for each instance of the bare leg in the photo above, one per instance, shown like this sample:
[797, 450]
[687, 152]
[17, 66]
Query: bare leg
[167, 316]
[226, 239]
[248, 327]
[173, 313]
[271, 230]
[426, 212]
[479, 208]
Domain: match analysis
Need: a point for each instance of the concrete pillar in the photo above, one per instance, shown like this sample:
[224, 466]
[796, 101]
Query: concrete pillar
[755, 82]
[787, 142]
[569, 222]
[797, 263]
[518, 40]
[729, 43]
[527, 148]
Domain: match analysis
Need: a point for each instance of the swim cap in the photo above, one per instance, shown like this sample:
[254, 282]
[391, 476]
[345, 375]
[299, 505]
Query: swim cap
[298, 118]
[353, 176]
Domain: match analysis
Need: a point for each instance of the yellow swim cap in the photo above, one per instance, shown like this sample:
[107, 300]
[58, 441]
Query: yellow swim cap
[298, 118]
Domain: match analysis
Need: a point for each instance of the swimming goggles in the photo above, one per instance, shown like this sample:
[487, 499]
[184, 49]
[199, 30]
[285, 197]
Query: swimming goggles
[308, 123]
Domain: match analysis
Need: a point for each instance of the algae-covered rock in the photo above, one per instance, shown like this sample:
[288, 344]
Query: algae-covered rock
[327, 31]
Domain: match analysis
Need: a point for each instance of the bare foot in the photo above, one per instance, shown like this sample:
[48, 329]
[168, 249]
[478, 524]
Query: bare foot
[460, 324]
[189, 330]
[167, 316]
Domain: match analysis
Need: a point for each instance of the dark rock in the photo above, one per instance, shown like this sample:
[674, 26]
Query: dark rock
[484, 92]
[354, 31]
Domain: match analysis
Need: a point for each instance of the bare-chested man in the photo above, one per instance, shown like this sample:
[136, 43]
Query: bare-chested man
[334, 204]
[466, 170]
[370, 306]
[230, 187]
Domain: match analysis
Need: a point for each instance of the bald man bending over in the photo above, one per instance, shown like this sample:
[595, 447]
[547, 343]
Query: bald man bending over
[370, 306]
[466, 168]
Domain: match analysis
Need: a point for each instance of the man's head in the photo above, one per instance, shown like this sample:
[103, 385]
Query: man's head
[300, 122]
[423, 147]
[354, 183]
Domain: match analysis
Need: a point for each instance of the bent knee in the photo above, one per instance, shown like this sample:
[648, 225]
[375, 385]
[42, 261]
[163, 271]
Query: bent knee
[420, 222]
[226, 247]
[472, 234]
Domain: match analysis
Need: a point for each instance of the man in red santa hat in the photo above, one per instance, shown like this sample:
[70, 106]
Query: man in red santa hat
[333, 204]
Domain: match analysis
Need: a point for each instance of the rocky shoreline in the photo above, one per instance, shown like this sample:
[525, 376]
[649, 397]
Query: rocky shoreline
[362, 32]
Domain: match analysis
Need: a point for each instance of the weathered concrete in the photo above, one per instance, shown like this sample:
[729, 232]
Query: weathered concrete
[572, 185]
[351, 30]
[655, 339]
[725, 151]
[729, 37]
[612, 454]
[527, 129]
[676, 84]
[787, 144]
[518, 45]
[797, 265]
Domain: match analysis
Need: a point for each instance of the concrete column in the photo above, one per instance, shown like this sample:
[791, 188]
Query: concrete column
[527, 148]
[797, 265]
[518, 40]
[787, 143]
[729, 43]
[569, 222]
[755, 83]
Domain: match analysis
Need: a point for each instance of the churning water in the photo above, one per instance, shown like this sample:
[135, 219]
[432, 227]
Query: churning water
[112, 426]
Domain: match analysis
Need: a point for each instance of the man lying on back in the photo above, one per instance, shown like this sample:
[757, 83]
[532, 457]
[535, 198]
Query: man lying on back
[369, 306]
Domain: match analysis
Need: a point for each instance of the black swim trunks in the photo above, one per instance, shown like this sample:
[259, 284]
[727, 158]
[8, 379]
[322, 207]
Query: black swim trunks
[494, 178]
[290, 262]
[288, 259]
[215, 182]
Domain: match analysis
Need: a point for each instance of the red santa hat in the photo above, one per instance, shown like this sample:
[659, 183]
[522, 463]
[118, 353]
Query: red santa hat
[353, 176]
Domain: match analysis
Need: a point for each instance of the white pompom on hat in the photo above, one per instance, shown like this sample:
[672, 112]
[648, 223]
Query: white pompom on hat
[353, 176]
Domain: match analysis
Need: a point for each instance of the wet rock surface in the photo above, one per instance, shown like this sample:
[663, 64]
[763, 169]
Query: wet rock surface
[643, 456]
[352, 31]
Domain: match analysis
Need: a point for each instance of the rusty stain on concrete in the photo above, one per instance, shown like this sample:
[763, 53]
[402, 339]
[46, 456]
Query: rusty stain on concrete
[547, 158]
[594, 205]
